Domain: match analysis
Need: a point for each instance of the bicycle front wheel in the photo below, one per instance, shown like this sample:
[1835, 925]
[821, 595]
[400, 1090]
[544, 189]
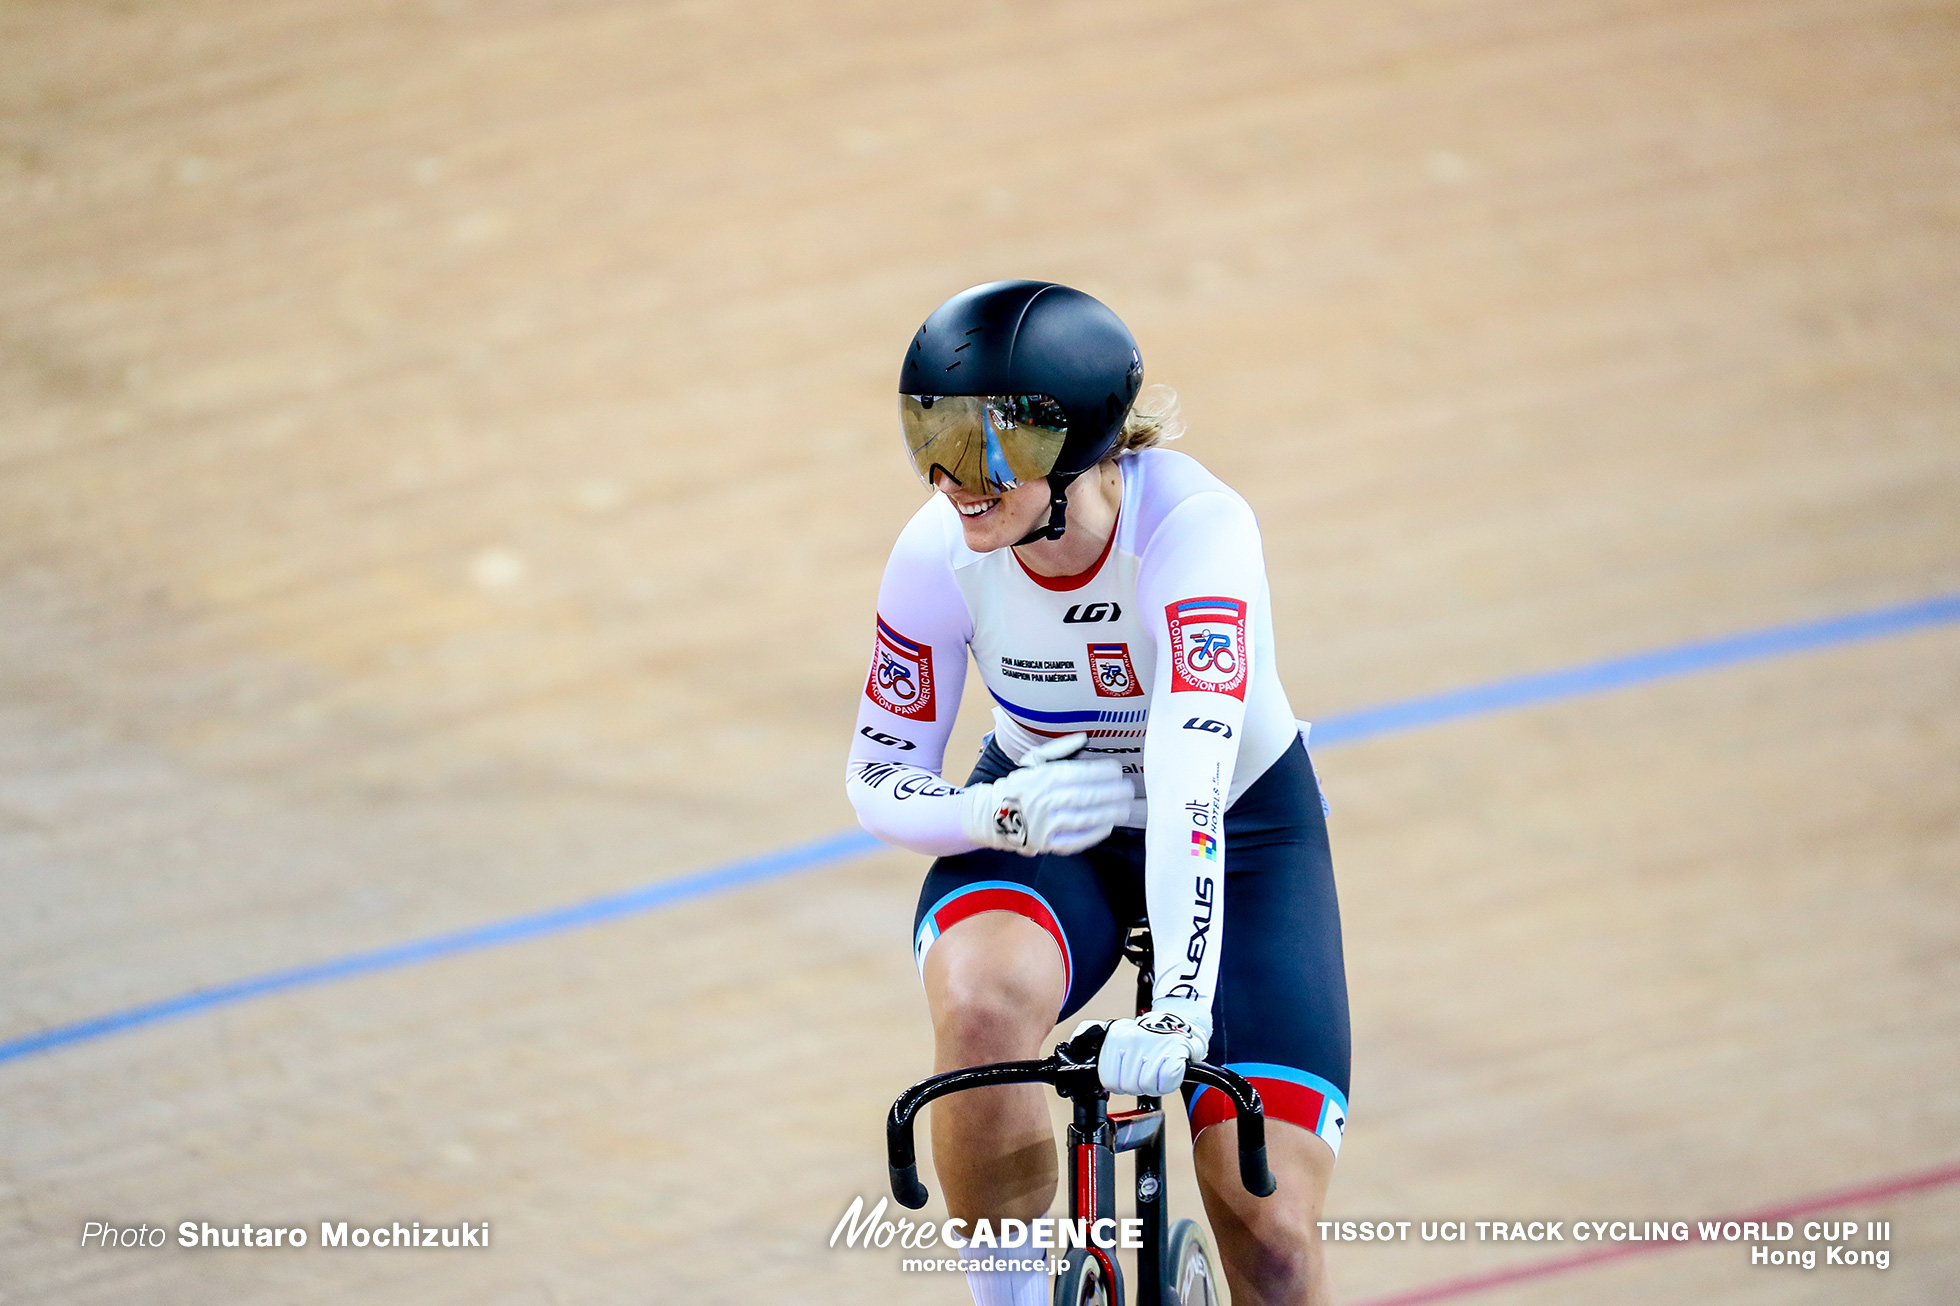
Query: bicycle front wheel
[1081, 1282]
[1187, 1263]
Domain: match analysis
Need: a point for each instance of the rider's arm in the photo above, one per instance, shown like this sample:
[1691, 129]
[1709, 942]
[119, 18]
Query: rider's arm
[905, 713]
[1199, 582]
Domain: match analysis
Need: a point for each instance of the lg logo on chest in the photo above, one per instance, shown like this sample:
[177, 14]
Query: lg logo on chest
[1081, 612]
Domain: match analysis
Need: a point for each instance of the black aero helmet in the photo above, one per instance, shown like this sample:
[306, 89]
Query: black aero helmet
[1016, 380]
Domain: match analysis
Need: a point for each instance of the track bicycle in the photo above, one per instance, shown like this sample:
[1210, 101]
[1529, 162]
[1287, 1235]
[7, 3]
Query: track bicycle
[1174, 1266]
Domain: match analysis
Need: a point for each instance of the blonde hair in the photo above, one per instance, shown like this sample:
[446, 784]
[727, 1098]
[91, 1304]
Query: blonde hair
[1153, 420]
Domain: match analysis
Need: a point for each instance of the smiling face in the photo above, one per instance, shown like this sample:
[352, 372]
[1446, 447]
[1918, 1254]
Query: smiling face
[994, 521]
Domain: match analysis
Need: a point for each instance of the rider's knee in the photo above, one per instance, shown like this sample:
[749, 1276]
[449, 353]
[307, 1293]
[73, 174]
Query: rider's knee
[1279, 1247]
[985, 1011]
[1272, 1240]
[994, 999]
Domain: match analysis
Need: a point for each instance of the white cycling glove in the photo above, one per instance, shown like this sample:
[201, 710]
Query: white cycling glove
[1148, 1055]
[1048, 805]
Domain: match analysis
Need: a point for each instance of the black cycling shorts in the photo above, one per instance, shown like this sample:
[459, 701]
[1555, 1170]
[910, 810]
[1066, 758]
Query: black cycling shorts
[1280, 1016]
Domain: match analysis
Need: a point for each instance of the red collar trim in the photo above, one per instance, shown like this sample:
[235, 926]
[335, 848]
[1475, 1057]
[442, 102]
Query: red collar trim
[1077, 581]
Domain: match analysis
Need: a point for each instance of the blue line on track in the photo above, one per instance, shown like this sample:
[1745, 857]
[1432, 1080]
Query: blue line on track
[1637, 668]
[769, 866]
[1348, 727]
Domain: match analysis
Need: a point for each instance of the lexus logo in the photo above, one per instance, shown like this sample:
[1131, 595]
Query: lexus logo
[1081, 612]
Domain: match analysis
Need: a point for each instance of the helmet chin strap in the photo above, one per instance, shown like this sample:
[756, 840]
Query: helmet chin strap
[1058, 484]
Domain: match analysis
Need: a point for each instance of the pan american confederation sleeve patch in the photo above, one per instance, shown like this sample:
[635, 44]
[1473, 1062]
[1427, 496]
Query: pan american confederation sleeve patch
[1112, 672]
[901, 675]
[1207, 645]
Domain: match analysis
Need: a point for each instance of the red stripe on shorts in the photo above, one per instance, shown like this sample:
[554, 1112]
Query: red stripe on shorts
[1020, 902]
[1284, 1100]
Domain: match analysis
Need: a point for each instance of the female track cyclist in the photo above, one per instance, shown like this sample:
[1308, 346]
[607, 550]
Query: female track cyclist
[1144, 763]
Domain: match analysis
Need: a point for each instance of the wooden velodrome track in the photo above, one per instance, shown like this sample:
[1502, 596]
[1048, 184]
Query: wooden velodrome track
[449, 453]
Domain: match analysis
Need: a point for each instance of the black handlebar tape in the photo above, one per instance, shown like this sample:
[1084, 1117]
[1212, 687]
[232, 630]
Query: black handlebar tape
[911, 1194]
[1254, 1173]
[902, 1159]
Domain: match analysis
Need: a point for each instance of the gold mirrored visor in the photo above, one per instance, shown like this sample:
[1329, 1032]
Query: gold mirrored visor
[988, 444]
